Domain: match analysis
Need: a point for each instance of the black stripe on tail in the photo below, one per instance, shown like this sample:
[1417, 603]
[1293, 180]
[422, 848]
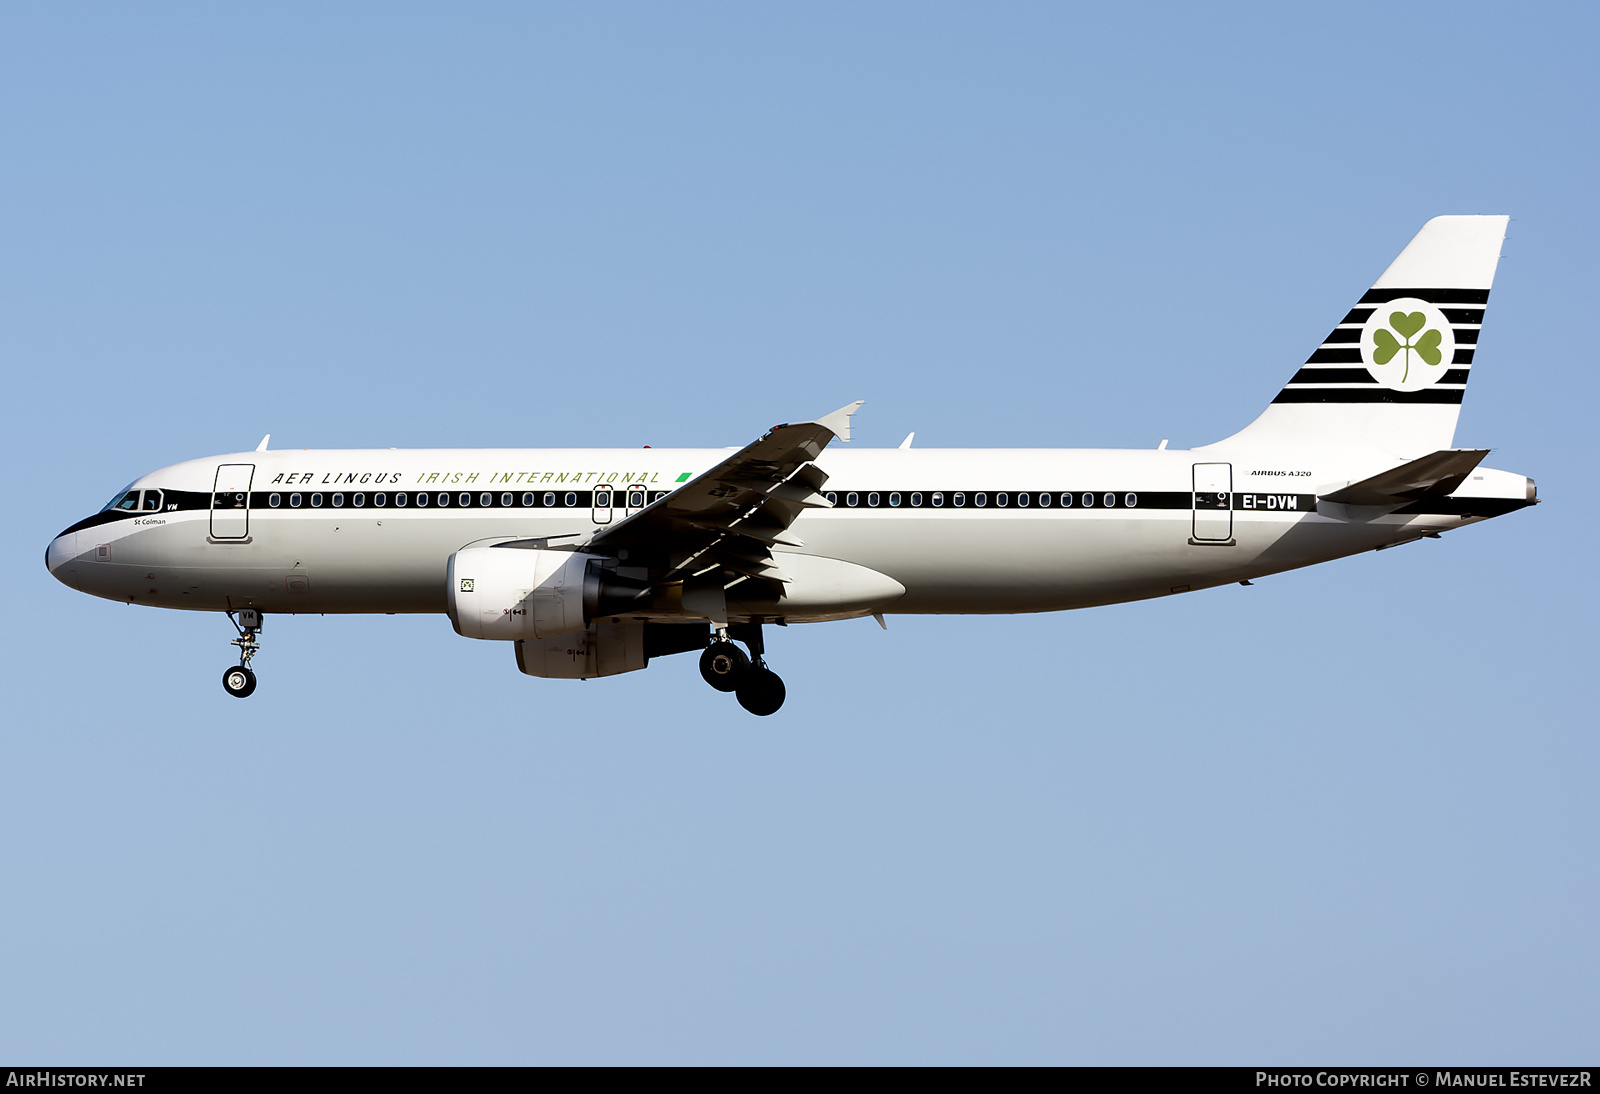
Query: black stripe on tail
[1335, 372]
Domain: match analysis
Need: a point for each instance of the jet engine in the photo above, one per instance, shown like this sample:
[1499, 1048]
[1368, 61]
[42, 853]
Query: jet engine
[510, 593]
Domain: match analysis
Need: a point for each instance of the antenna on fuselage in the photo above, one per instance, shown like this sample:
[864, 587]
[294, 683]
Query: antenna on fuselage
[262, 447]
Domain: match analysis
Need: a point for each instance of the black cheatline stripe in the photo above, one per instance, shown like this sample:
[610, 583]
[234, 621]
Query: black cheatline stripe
[1466, 335]
[1463, 356]
[104, 517]
[1332, 376]
[1009, 499]
[520, 499]
[1432, 296]
[1335, 357]
[1003, 500]
[1080, 499]
[1345, 335]
[1362, 395]
[1357, 315]
[1463, 315]
[1456, 376]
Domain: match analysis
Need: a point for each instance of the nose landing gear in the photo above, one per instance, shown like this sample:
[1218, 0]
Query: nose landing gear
[726, 668]
[239, 681]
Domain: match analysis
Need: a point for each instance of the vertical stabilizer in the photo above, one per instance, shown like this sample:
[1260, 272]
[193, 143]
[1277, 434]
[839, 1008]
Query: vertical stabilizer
[1391, 375]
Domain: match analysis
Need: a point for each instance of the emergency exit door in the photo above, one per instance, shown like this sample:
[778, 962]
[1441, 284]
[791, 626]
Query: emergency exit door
[1213, 502]
[230, 501]
[602, 505]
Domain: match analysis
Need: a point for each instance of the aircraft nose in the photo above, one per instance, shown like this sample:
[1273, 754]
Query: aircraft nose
[62, 550]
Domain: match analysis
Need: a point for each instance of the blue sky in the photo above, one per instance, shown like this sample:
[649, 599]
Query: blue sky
[1345, 815]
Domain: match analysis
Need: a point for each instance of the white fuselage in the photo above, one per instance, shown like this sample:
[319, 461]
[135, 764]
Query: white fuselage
[962, 531]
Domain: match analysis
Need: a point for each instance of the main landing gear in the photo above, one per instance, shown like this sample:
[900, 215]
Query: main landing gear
[726, 668]
[239, 681]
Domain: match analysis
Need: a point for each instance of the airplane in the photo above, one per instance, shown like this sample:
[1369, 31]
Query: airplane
[591, 563]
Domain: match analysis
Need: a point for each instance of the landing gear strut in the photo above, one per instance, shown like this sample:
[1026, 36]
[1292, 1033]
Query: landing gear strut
[239, 681]
[726, 668]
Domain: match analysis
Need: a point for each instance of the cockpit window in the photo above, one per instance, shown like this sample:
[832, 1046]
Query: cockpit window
[130, 501]
[124, 499]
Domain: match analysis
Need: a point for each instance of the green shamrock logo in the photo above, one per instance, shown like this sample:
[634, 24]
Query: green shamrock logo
[1426, 347]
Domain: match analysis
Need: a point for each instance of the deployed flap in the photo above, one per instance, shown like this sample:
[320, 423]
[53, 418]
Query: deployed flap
[729, 517]
[1437, 473]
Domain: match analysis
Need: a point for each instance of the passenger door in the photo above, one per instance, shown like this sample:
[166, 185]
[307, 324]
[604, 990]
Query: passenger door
[230, 501]
[1213, 502]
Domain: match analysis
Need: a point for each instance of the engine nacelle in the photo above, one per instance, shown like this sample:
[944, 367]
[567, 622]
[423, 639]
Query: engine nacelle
[607, 648]
[512, 593]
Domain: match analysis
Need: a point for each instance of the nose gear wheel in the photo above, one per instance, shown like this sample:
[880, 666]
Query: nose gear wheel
[239, 681]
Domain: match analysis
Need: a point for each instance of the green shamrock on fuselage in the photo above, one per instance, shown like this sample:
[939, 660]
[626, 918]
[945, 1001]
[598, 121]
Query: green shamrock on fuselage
[1426, 347]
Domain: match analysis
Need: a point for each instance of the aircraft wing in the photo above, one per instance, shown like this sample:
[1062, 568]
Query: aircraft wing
[731, 516]
[1436, 473]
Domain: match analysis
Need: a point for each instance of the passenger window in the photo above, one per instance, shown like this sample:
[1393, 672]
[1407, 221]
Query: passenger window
[401, 498]
[833, 498]
[505, 500]
[422, 498]
[527, 501]
[980, 500]
[938, 500]
[1000, 499]
[958, 499]
[378, 499]
[1087, 499]
[443, 499]
[872, 500]
[338, 501]
[275, 500]
[852, 499]
[571, 499]
[1130, 500]
[359, 500]
[894, 499]
[916, 500]
[1044, 501]
[635, 499]
[316, 501]
[465, 501]
[549, 501]
[1022, 499]
[1066, 501]
[1110, 500]
[294, 501]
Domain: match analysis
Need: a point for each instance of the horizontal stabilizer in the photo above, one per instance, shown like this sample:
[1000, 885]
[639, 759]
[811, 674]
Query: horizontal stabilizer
[1436, 473]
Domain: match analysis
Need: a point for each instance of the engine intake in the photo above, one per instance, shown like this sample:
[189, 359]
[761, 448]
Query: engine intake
[507, 594]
